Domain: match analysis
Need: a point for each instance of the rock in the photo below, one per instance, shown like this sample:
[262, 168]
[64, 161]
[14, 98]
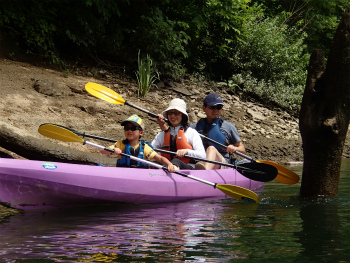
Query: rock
[49, 88]
[257, 116]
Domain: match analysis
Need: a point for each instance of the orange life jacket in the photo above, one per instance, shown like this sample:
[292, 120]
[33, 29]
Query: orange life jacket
[180, 143]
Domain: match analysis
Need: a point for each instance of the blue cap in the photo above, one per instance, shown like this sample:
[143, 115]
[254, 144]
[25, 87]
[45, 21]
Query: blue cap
[213, 99]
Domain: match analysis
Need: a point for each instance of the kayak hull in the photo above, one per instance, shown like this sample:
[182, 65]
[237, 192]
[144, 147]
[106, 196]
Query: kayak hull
[28, 184]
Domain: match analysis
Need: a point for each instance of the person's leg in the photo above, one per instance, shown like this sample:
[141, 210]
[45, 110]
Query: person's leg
[223, 160]
[213, 155]
[181, 165]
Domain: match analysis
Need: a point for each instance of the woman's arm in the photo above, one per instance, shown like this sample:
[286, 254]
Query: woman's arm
[195, 140]
[158, 140]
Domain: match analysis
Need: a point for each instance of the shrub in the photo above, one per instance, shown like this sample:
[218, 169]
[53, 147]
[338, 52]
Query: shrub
[146, 75]
[271, 61]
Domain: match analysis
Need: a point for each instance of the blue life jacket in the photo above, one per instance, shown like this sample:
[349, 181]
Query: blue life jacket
[139, 152]
[212, 131]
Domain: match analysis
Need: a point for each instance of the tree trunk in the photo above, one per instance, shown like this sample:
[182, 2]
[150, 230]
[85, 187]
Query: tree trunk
[30, 147]
[325, 113]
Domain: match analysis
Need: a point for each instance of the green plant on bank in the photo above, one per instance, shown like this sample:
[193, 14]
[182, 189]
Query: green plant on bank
[278, 92]
[273, 62]
[146, 75]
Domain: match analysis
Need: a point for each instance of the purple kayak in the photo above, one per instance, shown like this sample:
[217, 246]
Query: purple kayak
[28, 184]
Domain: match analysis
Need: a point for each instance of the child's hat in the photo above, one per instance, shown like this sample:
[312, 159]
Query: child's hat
[136, 120]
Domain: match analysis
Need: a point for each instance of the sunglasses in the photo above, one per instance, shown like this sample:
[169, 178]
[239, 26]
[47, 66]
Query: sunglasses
[132, 128]
[218, 107]
[176, 113]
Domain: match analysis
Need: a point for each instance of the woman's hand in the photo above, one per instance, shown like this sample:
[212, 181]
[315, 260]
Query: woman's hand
[161, 122]
[181, 153]
[160, 119]
[172, 168]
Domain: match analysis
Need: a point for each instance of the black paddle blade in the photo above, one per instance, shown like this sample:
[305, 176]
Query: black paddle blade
[257, 171]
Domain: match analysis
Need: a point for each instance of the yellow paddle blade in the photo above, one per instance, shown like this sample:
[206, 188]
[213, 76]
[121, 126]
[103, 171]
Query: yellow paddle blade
[59, 133]
[104, 93]
[284, 175]
[238, 192]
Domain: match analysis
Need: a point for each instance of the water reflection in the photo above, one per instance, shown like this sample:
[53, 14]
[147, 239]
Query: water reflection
[111, 232]
[320, 233]
[325, 232]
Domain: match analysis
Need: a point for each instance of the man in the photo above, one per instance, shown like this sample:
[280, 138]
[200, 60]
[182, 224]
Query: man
[218, 130]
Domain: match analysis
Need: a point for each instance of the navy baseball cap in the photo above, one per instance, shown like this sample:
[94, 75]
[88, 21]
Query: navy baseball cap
[213, 99]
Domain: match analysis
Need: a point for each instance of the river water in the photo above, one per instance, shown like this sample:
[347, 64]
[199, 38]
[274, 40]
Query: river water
[281, 228]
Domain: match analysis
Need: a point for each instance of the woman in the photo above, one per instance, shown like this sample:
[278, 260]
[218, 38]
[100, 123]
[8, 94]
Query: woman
[179, 137]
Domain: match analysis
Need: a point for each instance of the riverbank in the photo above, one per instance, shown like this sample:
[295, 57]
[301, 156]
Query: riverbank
[33, 95]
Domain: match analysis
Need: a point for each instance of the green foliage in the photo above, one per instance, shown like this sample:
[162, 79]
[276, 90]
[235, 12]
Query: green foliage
[318, 18]
[216, 30]
[52, 28]
[272, 61]
[272, 51]
[165, 39]
[146, 75]
[31, 21]
[277, 92]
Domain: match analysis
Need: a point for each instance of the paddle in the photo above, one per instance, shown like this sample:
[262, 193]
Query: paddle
[284, 175]
[109, 95]
[253, 171]
[66, 135]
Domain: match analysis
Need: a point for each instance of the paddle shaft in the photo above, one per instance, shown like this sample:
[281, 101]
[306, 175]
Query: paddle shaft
[114, 97]
[141, 109]
[169, 152]
[199, 159]
[224, 146]
[158, 150]
[149, 163]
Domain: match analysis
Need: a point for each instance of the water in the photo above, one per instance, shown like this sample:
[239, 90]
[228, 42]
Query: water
[282, 228]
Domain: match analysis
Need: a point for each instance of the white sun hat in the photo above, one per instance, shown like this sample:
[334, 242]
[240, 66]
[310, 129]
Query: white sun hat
[176, 104]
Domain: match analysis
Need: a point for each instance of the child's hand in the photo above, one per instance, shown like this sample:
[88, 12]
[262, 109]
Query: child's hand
[117, 151]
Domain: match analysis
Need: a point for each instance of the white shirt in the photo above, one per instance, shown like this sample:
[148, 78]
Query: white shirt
[192, 137]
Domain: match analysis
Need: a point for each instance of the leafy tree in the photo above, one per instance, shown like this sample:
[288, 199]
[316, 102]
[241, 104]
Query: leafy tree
[271, 61]
[53, 28]
[319, 19]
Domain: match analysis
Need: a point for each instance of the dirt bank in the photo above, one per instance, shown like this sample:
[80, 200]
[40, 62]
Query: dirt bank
[267, 134]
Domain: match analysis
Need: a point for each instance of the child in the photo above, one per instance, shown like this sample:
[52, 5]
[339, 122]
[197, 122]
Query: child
[132, 145]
